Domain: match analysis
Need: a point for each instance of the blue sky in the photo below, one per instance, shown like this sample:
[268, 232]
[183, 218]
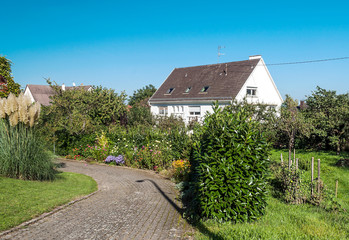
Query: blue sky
[126, 45]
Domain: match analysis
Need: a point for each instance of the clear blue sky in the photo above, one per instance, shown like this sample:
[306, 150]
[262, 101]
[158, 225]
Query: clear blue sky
[126, 45]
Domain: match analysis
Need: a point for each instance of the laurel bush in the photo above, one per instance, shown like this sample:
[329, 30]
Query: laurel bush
[230, 166]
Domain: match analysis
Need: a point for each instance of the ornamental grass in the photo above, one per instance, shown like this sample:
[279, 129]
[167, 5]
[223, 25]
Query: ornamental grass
[22, 154]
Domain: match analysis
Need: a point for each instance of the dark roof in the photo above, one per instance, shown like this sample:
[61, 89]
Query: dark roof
[42, 93]
[2, 79]
[224, 81]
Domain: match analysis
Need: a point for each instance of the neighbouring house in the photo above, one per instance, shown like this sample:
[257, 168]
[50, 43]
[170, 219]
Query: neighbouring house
[42, 93]
[189, 92]
[3, 82]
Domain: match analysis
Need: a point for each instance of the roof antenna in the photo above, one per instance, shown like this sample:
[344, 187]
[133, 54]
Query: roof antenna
[219, 52]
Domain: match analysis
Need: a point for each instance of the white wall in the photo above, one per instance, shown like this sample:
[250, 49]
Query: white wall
[28, 93]
[267, 92]
[182, 110]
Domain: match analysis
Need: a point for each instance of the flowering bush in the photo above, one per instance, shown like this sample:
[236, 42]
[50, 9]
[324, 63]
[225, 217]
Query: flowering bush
[181, 170]
[124, 147]
[117, 160]
[96, 152]
[149, 158]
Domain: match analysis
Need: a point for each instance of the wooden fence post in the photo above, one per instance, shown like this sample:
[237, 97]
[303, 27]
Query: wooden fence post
[336, 187]
[296, 163]
[312, 176]
[318, 176]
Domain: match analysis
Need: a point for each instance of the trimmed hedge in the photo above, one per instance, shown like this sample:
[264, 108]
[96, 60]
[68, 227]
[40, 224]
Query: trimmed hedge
[230, 166]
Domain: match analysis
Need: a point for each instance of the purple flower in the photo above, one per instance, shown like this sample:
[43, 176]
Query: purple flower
[118, 160]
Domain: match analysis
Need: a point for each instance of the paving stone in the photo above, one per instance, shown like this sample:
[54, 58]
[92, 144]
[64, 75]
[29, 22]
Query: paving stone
[131, 204]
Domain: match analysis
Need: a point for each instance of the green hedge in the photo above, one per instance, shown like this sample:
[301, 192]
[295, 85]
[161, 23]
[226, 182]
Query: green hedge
[230, 166]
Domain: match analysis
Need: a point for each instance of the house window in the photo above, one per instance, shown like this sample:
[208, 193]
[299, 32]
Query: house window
[187, 90]
[251, 91]
[169, 91]
[194, 111]
[163, 111]
[205, 89]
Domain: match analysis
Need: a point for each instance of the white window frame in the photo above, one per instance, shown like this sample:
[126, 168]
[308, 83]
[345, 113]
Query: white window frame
[163, 111]
[194, 110]
[251, 91]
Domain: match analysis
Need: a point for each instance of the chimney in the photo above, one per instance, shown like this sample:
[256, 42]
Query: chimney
[255, 57]
[63, 87]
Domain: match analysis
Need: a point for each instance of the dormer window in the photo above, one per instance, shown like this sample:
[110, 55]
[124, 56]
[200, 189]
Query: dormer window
[187, 90]
[205, 89]
[169, 91]
[251, 91]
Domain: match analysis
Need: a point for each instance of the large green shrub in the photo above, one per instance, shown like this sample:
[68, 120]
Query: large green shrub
[230, 161]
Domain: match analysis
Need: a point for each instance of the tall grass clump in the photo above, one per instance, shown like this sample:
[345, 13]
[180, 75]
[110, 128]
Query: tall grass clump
[22, 154]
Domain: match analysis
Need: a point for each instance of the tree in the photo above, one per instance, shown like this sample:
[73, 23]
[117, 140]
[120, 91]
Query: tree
[329, 113]
[139, 111]
[6, 72]
[262, 113]
[142, 95]
[76, 113]
[292, 122]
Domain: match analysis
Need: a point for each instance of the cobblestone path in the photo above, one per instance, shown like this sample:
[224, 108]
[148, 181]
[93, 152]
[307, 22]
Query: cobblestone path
[131, 204]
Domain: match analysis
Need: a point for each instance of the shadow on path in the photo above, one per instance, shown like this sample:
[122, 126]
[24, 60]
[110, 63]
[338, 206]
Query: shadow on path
[201, 227]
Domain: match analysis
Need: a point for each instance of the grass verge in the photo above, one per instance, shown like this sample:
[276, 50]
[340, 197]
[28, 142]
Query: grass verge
[285, 221]
[23, 200]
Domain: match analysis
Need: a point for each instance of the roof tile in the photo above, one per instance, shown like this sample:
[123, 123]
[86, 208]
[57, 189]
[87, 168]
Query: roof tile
[224, 80]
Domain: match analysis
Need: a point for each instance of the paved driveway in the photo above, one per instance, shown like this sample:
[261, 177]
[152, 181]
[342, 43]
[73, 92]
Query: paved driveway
[131, 204]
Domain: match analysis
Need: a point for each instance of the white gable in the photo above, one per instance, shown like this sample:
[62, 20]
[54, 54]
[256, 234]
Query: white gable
[28, 93]
[261, 81]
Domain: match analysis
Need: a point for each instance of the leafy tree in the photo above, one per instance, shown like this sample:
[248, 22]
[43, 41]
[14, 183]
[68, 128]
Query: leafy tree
[76, 113]
[329, 113]
[262, 113]
[142, 95]
[6, 72]
[139, 111]
[138, 114]
[292, 122]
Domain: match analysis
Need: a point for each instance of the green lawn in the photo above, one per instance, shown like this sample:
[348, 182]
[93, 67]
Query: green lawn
[283, 221]
[22, 200]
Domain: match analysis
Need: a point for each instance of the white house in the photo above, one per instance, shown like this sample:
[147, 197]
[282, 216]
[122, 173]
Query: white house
[189, 92]
[42, 93]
